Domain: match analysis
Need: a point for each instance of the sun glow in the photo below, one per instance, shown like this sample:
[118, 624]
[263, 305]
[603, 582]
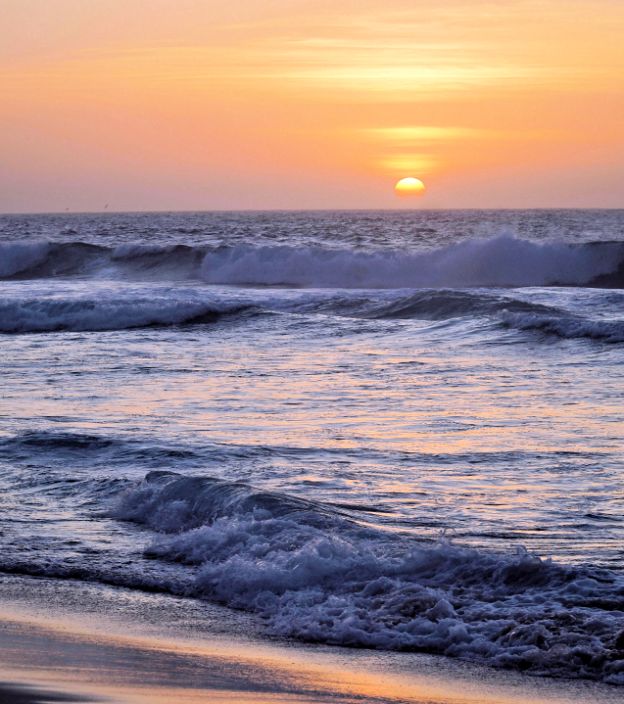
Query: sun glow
[312, 104]
[409, 186]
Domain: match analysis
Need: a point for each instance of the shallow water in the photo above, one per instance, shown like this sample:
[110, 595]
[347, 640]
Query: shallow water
[381, 426]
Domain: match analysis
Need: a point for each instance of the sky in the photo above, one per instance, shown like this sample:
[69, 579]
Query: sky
[263, 104]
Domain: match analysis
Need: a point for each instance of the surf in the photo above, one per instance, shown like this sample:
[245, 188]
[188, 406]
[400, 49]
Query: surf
[313, 573]
[502, 261]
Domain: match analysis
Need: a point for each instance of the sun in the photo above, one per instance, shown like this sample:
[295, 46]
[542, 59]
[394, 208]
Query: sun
[409, 186]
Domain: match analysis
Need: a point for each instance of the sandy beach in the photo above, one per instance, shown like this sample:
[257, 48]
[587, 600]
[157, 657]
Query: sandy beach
[77, 642]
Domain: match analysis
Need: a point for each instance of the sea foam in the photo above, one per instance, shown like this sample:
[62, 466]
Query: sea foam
[315, 574]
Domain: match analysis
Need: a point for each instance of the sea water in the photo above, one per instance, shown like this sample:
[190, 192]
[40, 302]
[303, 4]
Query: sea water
[398, 430]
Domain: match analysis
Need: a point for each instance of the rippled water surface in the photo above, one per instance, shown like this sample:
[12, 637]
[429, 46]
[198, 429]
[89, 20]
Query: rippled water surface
[368, 428]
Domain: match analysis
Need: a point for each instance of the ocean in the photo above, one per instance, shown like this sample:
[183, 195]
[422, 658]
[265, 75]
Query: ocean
[399, 430]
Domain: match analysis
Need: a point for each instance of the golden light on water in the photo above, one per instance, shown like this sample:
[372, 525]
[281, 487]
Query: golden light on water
[409, 186]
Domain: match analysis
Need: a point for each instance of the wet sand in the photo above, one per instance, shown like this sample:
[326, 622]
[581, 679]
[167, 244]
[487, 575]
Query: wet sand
[91, 643]
[12, 694]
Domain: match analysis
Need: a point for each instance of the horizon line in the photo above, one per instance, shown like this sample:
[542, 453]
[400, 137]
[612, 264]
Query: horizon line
[301, 210]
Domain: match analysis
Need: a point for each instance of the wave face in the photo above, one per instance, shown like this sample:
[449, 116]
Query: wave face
[100, 314]
[427, 304]
[35, 260]
[317, 575]
[502, 261]
[18, 257]
[89, 308]
[569, 327]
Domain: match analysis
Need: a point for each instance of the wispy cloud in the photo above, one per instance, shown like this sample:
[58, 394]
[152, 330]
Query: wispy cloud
[417, 134]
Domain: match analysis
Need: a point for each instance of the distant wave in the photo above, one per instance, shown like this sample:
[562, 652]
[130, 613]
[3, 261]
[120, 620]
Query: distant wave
[500, 261]
[568, 327]
[427, 304]
[315, 574]
[98, 314]
[50, 447]
[166, 307]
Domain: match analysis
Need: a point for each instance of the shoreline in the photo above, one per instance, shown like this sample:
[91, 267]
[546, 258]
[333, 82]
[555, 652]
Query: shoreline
[86, 642]
[23, 694]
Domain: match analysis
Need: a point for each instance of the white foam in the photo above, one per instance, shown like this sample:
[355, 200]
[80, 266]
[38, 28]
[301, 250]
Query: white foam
[315, 575]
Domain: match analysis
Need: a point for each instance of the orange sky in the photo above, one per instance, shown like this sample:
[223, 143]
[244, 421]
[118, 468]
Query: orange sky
[202, 104]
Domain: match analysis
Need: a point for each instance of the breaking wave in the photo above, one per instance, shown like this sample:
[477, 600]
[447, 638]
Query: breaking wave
[315, 573]
[500, 261]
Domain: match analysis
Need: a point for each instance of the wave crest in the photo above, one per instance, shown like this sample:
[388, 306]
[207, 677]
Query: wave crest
[500, 261]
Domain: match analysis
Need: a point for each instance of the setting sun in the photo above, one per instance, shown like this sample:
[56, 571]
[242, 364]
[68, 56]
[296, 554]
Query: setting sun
[409, 186]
